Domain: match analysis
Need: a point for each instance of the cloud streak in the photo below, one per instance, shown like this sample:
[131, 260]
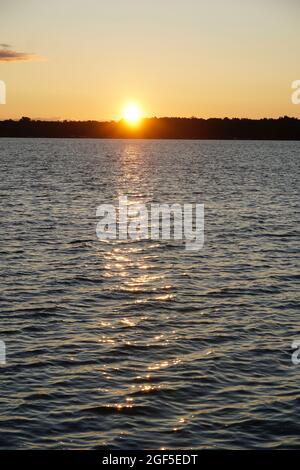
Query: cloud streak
[9, 55]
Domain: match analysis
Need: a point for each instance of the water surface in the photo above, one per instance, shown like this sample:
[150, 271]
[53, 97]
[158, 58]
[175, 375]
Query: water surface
[143, 344]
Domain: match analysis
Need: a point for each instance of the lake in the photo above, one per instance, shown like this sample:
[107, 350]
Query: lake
[142, 344]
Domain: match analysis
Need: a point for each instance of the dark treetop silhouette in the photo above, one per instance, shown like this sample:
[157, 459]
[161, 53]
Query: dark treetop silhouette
[283, 128]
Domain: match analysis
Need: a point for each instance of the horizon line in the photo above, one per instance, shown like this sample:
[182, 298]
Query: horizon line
[117, 121]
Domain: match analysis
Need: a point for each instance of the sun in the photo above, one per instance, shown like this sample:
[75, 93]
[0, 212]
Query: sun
[132, 114]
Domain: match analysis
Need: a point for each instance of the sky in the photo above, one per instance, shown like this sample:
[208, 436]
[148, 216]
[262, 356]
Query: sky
[75, 59]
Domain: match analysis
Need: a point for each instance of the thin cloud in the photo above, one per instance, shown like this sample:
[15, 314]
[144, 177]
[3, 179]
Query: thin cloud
[8, 55]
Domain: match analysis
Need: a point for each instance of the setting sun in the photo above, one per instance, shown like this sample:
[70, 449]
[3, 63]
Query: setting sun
[132, 113]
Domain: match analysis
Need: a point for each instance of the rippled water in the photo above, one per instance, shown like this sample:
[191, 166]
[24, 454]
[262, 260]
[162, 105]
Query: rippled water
[143, 344]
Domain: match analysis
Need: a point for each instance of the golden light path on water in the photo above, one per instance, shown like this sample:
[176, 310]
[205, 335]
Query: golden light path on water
[132, 267]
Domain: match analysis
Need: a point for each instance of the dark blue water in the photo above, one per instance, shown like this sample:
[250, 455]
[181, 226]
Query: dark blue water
[143, 344]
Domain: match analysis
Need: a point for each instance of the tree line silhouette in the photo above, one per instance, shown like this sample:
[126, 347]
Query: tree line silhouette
[283, 128]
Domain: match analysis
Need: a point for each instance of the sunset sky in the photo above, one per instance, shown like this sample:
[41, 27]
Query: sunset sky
[75, 59]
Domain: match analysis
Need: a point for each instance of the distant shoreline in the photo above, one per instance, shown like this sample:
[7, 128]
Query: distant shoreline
[283, 128]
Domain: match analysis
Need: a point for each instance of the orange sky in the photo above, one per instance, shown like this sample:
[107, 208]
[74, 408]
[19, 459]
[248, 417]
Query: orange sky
[85, 60]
